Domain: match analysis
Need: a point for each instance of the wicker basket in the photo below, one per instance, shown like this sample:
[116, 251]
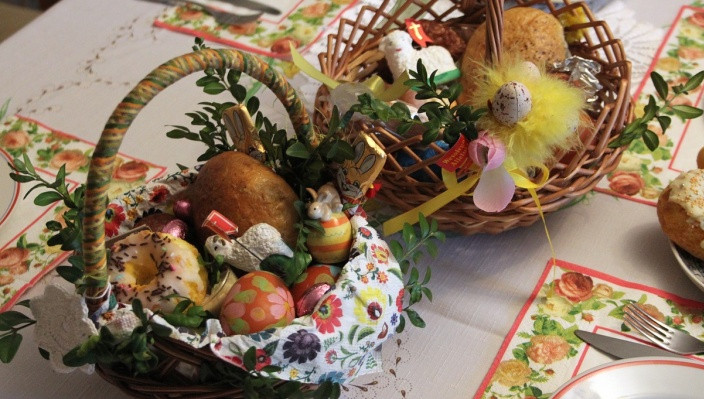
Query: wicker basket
[353, 54]
[169, 380]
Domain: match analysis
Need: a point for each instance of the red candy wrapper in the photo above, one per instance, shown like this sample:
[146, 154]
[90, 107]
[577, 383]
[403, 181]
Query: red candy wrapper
[220, 225]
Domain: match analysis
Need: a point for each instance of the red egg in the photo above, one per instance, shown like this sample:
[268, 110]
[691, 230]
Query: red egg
[257, 301]
[313, 275]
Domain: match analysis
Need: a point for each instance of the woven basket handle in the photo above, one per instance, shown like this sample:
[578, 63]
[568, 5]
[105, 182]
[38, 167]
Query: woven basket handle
[494, 31]
[103, 161]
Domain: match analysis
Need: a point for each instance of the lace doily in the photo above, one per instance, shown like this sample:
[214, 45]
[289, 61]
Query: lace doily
[62, 324]
[640, 40]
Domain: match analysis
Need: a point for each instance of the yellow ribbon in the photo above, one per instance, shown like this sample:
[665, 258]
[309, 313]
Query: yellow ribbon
[373, 83]
[455, 189]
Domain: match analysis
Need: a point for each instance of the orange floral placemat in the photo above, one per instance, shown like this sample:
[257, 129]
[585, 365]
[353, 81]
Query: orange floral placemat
[25, 256]
[301, 23]
[541, 352]
[642, 174]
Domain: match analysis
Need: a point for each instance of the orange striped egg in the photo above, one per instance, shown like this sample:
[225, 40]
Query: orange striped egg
[333, 244]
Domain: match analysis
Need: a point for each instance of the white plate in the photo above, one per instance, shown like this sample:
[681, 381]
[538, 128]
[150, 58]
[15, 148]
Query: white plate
[10, 188]
[693, 267]
[638, 378]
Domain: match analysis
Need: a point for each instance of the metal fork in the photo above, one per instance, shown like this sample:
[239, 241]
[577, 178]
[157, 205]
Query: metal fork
[660, 333]
[224, 17]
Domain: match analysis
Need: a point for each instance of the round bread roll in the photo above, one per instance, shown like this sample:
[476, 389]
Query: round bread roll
[245, 191]
[681, 211]
[530, 34]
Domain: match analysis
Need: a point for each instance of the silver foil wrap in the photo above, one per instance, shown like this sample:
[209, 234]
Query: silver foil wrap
[582, 73]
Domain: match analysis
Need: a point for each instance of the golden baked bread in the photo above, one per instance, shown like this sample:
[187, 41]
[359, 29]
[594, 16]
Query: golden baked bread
[530, 34]
[245, 191]
[681, 211]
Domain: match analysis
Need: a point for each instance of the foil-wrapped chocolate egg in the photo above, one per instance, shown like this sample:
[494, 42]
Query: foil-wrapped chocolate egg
[164, 223]
[306, 303]
[177, 228]
[314, 274]
[511, 103]
[182, 209]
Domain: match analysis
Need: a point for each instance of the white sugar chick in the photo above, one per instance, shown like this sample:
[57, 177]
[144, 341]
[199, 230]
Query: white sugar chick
[398, 49]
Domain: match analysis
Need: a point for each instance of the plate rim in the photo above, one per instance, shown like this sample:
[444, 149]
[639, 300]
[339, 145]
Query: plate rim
[606, 367]
[683, 265]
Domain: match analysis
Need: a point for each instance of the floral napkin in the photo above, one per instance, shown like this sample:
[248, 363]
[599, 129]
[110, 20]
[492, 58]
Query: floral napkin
[541, 352]
[25, 256]
[301, 23]
[642, 174]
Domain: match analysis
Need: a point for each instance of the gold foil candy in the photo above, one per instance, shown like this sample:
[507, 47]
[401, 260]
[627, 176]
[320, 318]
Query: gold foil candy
[356, 176]
[241, 128]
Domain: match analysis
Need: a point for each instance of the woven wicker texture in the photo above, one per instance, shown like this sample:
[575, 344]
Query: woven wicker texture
[352, 55]
[177, 373]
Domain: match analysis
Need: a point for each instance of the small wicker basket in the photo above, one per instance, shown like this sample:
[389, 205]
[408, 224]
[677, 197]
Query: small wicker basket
[353, 55]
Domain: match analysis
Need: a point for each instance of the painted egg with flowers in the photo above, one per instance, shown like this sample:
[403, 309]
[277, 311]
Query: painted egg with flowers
[313, 275]
[257, 301]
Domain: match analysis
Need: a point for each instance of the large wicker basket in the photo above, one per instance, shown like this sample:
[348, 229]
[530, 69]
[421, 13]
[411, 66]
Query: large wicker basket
[168, 380]
[184, 371]
[353, 54]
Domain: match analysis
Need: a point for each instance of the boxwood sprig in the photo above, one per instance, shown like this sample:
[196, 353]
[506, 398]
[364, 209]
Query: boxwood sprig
[416, 242]
[446, 118]
[660, 109]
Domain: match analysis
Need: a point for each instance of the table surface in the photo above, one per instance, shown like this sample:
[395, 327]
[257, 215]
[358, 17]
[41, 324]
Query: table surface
[72, 65]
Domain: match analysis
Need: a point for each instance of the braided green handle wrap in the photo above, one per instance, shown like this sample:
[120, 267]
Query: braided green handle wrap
[103, 161]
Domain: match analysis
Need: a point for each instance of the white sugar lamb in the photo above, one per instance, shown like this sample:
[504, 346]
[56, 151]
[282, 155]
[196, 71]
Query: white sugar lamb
[397, 47]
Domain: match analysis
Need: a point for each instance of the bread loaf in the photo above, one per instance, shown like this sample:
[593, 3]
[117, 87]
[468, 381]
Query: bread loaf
[245, 191]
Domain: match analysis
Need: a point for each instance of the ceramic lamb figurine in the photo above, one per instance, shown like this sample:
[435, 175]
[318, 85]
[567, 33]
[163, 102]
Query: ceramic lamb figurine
[257, 243]
[401, 56]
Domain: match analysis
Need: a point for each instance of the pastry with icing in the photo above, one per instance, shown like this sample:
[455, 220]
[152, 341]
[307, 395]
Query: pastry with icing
[152, 266]
[681, 211]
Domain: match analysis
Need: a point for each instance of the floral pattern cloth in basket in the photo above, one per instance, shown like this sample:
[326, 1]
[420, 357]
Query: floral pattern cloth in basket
[339, 341]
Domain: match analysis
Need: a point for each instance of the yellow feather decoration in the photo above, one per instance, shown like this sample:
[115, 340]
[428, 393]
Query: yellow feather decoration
[549, 127]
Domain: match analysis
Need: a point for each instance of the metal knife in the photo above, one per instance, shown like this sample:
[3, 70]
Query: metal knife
[253, 5]
[621, 348]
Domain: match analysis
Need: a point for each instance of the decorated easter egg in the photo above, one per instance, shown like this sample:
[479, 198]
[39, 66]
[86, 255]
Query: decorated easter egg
[257, 301]
[511, 103]
[332, 245]
[529, 69]
[314, 274]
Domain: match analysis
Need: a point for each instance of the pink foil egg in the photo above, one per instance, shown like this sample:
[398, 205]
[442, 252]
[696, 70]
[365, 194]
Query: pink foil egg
[182, 209]
[314, 274]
